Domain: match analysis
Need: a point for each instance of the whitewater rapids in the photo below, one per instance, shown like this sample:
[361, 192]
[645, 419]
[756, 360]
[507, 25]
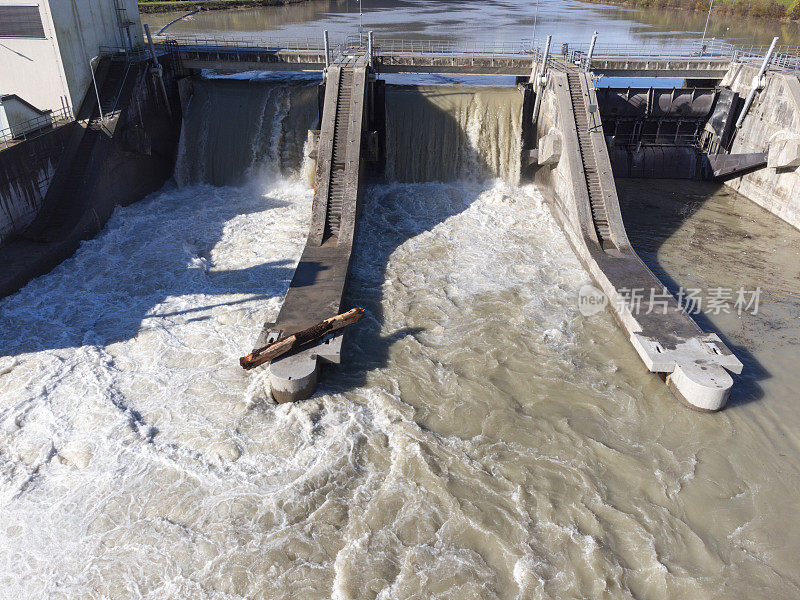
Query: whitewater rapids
[483, 439]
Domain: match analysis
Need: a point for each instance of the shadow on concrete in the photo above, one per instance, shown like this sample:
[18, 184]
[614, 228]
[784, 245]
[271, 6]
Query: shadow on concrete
[653, 211]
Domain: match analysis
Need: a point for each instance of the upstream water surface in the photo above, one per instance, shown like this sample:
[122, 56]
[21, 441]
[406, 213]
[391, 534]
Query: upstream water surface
[482, 440]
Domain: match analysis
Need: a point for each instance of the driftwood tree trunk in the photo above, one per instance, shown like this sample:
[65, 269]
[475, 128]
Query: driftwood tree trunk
[285, 344]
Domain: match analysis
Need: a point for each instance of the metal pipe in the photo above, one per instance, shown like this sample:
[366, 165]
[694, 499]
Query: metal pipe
[94, 81]
[150, 43]
[369, 47]
[591, 52]
[189, 14]
[756, 83]
[708, 18]
[546, 55]
[540, 80]
[327, 50]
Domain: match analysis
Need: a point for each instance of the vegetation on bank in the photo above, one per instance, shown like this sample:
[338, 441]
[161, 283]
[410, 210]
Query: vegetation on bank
[151, 6]
[770, 9]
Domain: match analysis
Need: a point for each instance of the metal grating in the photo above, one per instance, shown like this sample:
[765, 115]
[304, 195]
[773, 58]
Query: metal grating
[21, 22]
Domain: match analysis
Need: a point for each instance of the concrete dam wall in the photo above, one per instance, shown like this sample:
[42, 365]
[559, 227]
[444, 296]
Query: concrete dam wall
[26, 170]
[443, 133]
[773, 123]
[235, 131]
[433, 133]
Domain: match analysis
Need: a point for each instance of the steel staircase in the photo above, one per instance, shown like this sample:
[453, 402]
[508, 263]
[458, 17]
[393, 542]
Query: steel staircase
[592, 176]
[336, 189]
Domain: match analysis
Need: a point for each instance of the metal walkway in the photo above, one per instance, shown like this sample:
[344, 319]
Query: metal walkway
[338, 165]
[691, 60]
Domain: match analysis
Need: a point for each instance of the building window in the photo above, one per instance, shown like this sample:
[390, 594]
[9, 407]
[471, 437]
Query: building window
[21, 22]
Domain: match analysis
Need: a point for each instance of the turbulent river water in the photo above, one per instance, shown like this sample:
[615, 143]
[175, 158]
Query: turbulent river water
[482, 440]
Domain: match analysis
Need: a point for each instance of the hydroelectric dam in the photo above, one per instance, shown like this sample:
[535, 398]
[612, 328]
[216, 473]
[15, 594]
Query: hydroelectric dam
[735, 119]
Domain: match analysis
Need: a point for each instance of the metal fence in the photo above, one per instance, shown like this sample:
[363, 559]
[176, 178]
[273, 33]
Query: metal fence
[126, 54]
[521, 48]
[228, 43]
[35, 127]
[787, 57]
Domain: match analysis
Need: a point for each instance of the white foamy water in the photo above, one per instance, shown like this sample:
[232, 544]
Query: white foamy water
[482, 439]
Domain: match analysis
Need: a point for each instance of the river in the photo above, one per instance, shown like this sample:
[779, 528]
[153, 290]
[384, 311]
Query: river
[483, 439]
[467, 21]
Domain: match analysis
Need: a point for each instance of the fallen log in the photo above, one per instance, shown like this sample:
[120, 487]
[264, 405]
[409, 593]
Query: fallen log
[283, 345]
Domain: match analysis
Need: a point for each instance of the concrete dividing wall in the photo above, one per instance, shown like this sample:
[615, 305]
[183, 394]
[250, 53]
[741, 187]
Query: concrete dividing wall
[25, 173]
[667, 340]
[775, 113]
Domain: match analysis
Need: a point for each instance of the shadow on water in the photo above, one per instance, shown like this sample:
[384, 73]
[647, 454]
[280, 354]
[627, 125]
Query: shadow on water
[161, 247]
[654, 212]
[133, 267]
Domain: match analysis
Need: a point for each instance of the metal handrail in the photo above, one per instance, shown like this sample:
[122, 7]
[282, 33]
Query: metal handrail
[35, 126]
[307, 44]
[655, 139]
[709, 49]
[134, 55]
[521, 48]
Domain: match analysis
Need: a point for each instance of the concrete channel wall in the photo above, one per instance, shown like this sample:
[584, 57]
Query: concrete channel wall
[25, 173]
[772, 121]
[133, 156]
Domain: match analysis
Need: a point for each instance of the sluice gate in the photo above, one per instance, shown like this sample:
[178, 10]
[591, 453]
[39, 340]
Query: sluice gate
[319, 283]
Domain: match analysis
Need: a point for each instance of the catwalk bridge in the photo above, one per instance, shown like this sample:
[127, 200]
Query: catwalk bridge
[707, 60]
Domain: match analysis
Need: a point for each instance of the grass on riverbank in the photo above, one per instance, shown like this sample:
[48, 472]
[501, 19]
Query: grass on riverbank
[152, 6]
[771, 9]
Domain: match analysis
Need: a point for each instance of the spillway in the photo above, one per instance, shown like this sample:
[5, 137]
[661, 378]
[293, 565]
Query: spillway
[486, 442]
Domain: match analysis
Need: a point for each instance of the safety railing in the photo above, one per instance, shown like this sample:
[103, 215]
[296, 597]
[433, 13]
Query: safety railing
[126, 54]
[655, 139]
[35, 127]
[404, 46]
[786, 57]
[227, 43]
[710, 49]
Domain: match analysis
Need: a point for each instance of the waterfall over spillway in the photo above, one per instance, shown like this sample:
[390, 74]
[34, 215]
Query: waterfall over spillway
[237, 130]
[445, 133]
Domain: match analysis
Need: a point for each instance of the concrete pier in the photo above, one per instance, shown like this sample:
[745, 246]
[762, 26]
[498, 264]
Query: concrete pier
[581, 190]
[319, 283]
